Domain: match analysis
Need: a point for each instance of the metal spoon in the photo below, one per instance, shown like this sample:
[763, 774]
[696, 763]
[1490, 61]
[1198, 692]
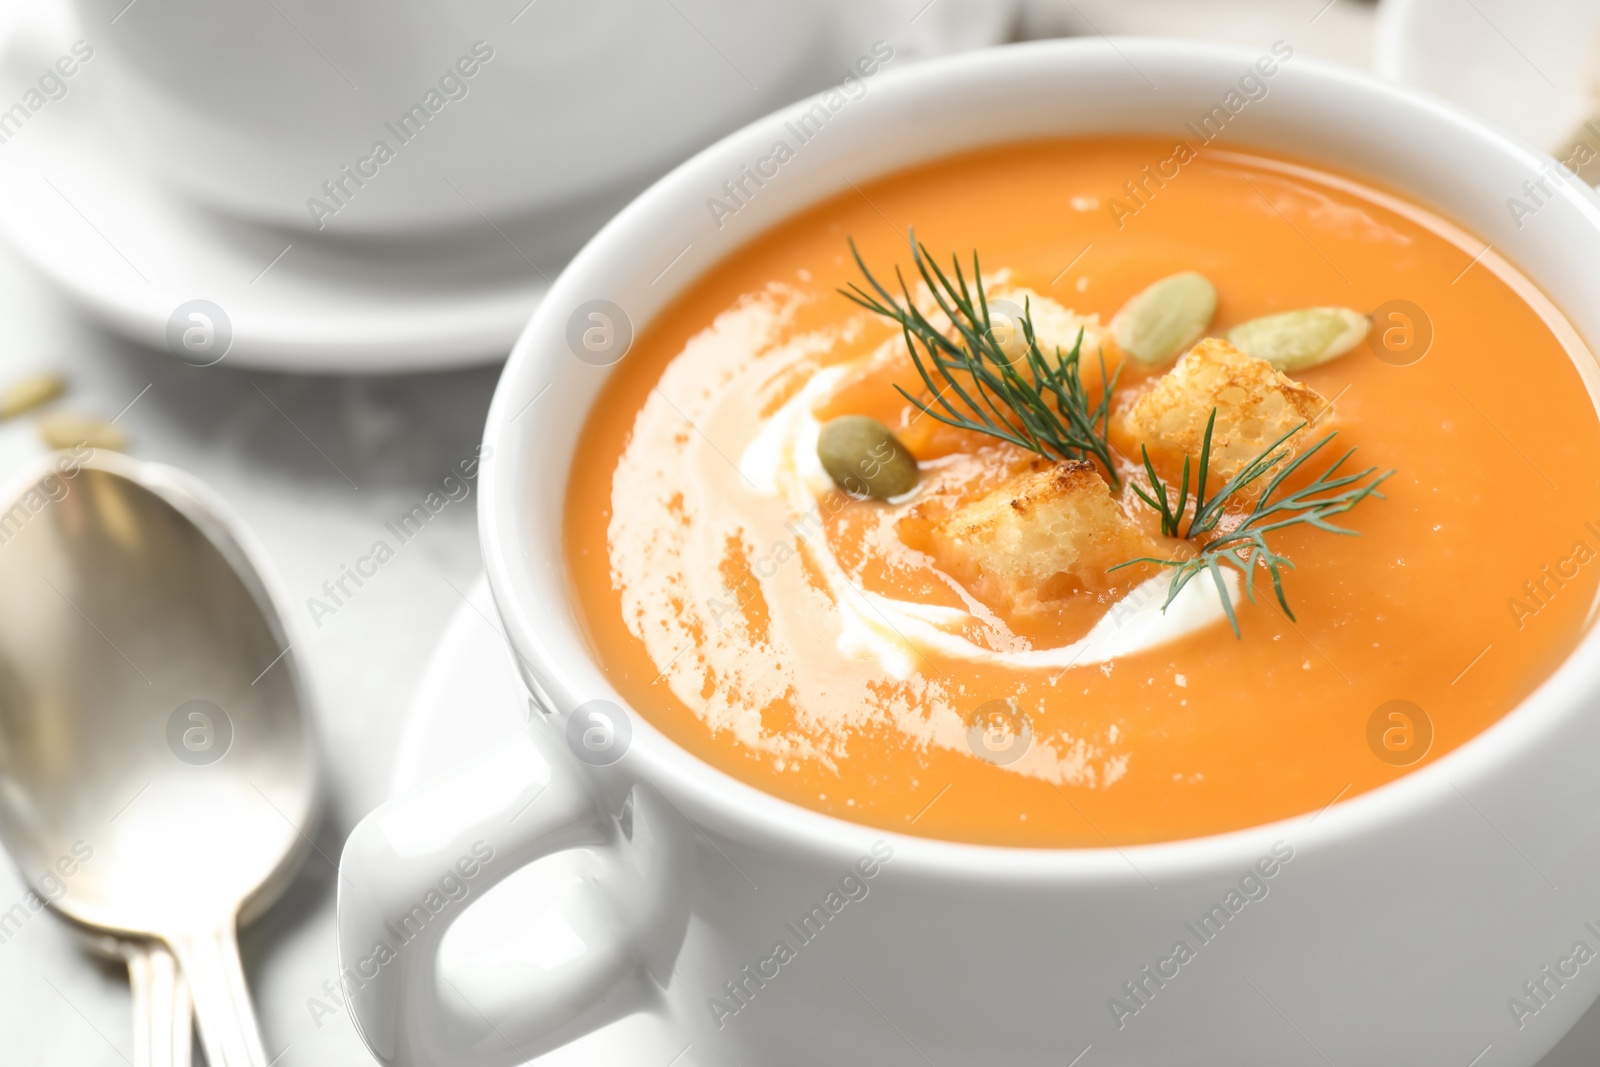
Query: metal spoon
[154, 750]
[163, 1020]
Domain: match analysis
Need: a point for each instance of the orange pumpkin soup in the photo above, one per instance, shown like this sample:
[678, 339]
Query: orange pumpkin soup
[958, 658]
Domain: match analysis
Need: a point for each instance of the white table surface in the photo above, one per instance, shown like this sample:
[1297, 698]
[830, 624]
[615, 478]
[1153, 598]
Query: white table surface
[315, 481]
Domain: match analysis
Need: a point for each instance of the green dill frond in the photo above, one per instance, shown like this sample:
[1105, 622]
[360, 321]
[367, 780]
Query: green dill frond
[1243, 546]
[1041, 405]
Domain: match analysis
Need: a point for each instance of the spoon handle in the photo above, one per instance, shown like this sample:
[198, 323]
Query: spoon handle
[162, 1019]
[228, 1030]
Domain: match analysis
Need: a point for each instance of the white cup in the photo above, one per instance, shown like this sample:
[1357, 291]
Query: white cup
[396, 116]
[1392, 928]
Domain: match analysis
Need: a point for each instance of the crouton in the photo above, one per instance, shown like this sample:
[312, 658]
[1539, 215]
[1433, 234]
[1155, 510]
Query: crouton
[1049, 532]
[1054, 326]
[1255, 406]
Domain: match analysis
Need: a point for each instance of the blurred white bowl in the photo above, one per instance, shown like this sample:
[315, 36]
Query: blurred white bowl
[1527, 67]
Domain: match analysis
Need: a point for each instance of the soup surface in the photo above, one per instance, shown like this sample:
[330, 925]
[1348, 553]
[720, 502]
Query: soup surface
[836, 651]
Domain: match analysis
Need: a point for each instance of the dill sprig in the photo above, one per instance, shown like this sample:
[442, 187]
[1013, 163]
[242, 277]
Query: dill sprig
[1042, 406]
[1244, 545]
[1208, 511]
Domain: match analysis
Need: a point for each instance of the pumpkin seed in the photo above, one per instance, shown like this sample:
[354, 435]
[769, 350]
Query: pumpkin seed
[1159, 323]
[1299, 340]
[64, 430]
[31, 392]
[865, 459]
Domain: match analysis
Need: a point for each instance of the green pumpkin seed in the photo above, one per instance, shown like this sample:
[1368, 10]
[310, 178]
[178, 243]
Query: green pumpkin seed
[1299, 340]
[1168, 317]
[865, 459]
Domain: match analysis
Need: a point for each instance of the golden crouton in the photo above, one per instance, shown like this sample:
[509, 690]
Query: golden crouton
[1255, 406]
[1054, 326]
[1048, 532]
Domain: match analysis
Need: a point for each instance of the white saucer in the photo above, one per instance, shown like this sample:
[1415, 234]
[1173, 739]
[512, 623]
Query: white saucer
[1523, 66]
[87, 218]
[469, 698]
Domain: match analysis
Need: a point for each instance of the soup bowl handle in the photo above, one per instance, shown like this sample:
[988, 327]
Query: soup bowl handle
[410, 869]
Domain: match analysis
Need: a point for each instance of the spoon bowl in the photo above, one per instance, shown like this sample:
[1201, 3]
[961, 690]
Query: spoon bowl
[157, 770]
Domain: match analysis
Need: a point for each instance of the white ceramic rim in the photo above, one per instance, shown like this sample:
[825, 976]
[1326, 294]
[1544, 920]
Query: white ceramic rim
[545, 628]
